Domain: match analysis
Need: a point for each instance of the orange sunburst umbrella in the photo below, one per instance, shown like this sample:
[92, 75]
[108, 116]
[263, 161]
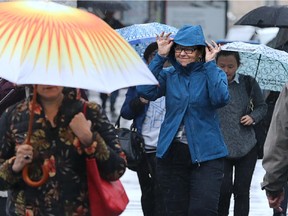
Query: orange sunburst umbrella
[43, 42]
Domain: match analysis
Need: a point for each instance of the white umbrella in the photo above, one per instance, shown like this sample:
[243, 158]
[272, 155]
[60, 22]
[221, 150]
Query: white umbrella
[269, 66]
[43, 42]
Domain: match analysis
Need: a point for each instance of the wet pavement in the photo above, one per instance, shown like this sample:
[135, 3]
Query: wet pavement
[258, 201]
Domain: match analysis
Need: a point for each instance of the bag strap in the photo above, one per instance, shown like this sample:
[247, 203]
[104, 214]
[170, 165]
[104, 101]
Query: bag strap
[84, 109]
[249, 85]
[132, 126]
[117, 123]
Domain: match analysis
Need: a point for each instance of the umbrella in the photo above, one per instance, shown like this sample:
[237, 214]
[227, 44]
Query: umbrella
[43, 42]
[266, 16]
[141, 35]
[267, 65]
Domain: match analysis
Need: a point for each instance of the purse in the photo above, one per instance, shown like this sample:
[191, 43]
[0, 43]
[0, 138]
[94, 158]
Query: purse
[132, 143]
[105, 198]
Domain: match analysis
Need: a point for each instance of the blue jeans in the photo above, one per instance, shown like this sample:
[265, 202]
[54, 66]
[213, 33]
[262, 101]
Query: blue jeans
[188, 189]
[242, 169]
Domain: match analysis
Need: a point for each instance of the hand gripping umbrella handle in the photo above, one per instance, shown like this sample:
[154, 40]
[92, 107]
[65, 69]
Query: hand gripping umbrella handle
[25, 171]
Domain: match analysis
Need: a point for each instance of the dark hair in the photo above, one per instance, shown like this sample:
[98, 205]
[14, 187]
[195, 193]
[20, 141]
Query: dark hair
[228, 53]
[203, 52]
[149, 50]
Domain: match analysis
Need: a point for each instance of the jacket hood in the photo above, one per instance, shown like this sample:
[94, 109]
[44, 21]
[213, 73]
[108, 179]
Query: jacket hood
[190, 35]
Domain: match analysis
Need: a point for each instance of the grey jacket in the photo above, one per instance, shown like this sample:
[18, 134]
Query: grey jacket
[275, 160]
[238, 138]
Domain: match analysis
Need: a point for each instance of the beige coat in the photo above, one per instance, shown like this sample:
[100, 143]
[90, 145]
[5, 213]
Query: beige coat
[275, 160]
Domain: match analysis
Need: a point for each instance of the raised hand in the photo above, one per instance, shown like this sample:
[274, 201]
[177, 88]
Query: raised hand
[211, 50]
[165, 42]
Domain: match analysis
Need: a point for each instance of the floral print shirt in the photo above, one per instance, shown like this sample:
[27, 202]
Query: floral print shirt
[65, 192]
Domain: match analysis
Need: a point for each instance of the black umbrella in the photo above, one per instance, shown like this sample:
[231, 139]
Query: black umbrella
[266, 16]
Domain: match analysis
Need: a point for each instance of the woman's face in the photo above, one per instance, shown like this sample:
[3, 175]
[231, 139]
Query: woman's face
[187, 54]
[48, 92]
[229, 65]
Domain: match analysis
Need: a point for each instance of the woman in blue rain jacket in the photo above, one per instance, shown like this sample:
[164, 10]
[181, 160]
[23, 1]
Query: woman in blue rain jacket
[190, 148]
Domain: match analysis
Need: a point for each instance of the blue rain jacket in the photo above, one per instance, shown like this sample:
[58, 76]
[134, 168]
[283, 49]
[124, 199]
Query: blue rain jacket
[193, 94]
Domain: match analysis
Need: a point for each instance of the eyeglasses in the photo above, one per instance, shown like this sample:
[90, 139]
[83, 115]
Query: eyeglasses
[187, 50]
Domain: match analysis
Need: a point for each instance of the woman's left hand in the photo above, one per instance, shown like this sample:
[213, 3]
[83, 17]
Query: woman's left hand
[211, 51]
[81, 127]
[246, 120]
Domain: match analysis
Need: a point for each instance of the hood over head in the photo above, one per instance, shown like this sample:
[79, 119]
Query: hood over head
[190, 35]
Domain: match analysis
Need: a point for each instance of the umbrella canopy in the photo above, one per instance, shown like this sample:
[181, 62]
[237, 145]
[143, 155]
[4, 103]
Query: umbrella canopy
[269, 66]
[266, 16]
[52, 44]
[141, 35]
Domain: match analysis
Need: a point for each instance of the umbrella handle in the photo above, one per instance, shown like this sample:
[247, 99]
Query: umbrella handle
[28, 181]
[25, 171]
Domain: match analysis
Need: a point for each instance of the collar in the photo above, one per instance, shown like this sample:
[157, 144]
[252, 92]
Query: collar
[236, 78]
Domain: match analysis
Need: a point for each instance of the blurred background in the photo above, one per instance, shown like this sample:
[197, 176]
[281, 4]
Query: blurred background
[217, 18]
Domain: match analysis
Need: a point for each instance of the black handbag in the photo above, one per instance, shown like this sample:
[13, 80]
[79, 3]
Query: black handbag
[132, 143]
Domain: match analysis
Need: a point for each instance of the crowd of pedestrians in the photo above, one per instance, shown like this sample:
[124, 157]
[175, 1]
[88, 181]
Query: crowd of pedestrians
[197, 124]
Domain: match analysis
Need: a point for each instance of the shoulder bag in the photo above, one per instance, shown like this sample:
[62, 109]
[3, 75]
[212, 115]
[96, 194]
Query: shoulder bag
[105, 198]
[132, 143]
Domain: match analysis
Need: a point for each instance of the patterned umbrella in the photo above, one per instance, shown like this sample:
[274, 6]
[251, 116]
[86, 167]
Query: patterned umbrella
[43, 42]
[269, 66]
[141, 35]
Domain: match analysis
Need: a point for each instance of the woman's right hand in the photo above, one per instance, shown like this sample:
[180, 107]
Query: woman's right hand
[24, 156]
[164, 42]
[143, 100]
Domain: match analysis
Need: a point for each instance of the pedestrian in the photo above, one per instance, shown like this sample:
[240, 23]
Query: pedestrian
[61, 139]
[237, 128]
[275, 160]
[271, 101]
[190, 149]
[147, 118]
[115, 24]
[9, 95]
[112, 97]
